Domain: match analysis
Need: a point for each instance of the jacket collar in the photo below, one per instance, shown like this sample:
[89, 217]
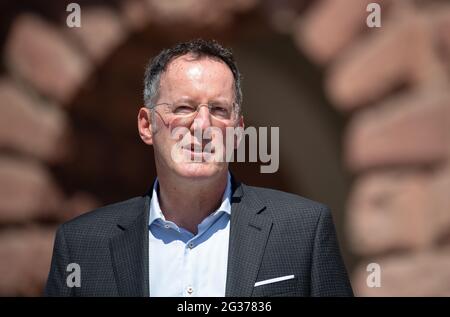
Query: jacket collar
[249, 230]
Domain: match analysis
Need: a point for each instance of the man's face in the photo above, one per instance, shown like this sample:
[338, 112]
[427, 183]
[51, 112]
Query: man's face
[192, 81]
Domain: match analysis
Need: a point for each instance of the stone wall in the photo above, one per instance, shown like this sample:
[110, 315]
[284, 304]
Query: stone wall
[392, 83]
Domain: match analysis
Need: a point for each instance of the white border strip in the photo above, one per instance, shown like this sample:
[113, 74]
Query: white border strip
[273, 280]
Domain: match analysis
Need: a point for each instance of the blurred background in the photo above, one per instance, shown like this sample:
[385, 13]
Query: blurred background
[364, 117]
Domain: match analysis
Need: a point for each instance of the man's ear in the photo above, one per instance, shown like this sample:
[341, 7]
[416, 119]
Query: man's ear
[144, 122]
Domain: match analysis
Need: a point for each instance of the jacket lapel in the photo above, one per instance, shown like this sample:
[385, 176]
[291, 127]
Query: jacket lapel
[129, 251]
[249, 231]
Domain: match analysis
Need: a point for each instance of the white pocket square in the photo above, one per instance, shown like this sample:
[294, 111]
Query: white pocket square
[274, 280]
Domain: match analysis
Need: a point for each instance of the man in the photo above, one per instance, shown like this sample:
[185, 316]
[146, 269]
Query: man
[199, 232]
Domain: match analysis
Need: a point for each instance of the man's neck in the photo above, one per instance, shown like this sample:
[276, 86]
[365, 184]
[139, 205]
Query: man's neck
[186, 202]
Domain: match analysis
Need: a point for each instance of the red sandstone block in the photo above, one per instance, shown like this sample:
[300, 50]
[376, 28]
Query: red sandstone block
[329, 27]
[401, 52]
[43, 56]
[29, 126]
[388, 211]
[27, 191]
[412, 274]
[101, 31]
[399, 210]
[408, 129]
[25, 255]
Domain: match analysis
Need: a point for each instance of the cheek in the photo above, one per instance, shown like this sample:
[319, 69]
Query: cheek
[161, 139]
[167, 138]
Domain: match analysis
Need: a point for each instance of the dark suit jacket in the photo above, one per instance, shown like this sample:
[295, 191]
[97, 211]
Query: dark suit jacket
[272, 234]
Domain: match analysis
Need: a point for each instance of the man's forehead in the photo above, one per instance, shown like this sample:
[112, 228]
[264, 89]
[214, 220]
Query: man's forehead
[193, 65]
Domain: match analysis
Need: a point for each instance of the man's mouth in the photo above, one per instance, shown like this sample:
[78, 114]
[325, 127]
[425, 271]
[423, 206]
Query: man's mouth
[199, 149]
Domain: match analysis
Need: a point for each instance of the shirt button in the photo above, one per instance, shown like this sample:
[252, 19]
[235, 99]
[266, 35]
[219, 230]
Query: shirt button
[166, 226]
[190, 290]
[191, 245]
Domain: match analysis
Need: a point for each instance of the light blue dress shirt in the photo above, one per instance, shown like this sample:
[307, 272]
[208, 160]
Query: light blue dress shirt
[186, 265]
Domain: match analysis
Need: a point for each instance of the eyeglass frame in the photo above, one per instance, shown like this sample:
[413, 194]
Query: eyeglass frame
[235, 106]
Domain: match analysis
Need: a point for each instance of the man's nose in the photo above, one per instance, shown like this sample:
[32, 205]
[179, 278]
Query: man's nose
[203, 120]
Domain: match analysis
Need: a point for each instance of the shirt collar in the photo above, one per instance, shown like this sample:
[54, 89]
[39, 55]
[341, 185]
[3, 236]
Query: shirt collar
[156, 212]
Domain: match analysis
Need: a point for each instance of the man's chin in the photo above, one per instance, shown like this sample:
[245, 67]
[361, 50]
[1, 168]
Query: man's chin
[199, 170]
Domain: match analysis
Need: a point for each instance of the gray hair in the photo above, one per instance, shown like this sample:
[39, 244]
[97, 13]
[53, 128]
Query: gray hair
[198, 48]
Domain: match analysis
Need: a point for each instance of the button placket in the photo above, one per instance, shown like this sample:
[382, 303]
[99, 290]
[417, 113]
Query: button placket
[189, 286]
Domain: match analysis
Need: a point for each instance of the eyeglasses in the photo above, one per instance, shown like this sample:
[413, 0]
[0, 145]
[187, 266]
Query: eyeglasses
[184, 112]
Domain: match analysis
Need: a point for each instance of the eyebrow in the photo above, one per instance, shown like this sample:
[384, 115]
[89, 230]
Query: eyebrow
[192, 100]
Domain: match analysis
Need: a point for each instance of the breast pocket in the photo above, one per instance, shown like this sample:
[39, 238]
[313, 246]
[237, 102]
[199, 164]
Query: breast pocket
[286, 285]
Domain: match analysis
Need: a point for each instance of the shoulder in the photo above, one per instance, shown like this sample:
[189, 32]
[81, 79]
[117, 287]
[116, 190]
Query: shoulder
[102, 220]
[283, 205]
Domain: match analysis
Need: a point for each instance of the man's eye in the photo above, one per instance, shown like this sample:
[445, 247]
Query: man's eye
[180, 109]
[218, 110]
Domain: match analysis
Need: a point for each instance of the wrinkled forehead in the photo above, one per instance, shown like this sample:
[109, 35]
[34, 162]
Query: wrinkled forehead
[192, 71]
[207, 63]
